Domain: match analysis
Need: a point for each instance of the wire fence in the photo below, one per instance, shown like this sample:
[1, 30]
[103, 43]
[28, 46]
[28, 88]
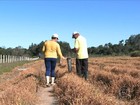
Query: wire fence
[10, 58]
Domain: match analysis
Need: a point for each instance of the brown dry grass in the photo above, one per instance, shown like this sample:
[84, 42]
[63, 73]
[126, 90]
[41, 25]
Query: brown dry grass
[20, 87]
[112, 81]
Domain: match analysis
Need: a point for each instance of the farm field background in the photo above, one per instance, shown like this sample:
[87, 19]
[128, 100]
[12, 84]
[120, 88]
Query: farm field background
[112, 80]
[7, 67]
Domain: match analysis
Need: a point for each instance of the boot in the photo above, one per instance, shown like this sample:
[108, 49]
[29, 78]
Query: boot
[52, 80]
[48, 81]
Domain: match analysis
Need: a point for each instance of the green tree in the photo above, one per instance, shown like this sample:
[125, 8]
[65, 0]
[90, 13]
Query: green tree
[65, 48]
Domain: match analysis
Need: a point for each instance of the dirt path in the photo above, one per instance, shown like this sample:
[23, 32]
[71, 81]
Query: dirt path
[45, 94]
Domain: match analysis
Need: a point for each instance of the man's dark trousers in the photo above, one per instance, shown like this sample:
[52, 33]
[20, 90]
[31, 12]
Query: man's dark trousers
[82, 67]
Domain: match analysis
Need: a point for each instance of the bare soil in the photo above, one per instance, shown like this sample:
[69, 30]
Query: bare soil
[45, 94]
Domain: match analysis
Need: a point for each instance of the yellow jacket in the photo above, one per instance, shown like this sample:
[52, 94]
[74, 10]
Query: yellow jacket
[52, 49]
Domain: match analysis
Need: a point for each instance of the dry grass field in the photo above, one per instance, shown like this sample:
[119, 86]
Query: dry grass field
[112, 81]
[19, 87]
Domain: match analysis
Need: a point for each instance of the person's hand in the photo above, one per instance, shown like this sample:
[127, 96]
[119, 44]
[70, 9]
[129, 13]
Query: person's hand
[73, 50]
[64, 58]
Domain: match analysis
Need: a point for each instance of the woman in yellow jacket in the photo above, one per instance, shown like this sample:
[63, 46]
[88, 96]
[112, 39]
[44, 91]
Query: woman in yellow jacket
[51, 51]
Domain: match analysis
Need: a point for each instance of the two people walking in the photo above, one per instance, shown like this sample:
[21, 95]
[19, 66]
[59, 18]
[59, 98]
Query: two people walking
[52, 51]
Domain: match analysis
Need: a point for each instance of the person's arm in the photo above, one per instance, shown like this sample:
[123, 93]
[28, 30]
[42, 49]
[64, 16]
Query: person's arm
[59, 52]
[75, 50]
[43, 48]
[76, 46]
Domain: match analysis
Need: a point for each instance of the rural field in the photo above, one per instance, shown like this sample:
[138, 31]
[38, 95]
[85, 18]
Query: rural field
[112, 81]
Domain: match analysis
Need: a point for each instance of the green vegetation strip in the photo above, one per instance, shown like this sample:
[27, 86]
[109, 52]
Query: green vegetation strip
[7, 67]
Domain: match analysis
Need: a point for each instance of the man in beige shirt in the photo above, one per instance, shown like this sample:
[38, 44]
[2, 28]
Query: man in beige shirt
[80, 48]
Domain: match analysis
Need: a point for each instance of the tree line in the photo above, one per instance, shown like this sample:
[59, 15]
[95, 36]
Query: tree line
[130, 46]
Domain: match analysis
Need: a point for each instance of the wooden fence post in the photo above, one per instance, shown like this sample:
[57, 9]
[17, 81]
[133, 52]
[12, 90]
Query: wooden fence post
[0, 58]
[3, 58]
